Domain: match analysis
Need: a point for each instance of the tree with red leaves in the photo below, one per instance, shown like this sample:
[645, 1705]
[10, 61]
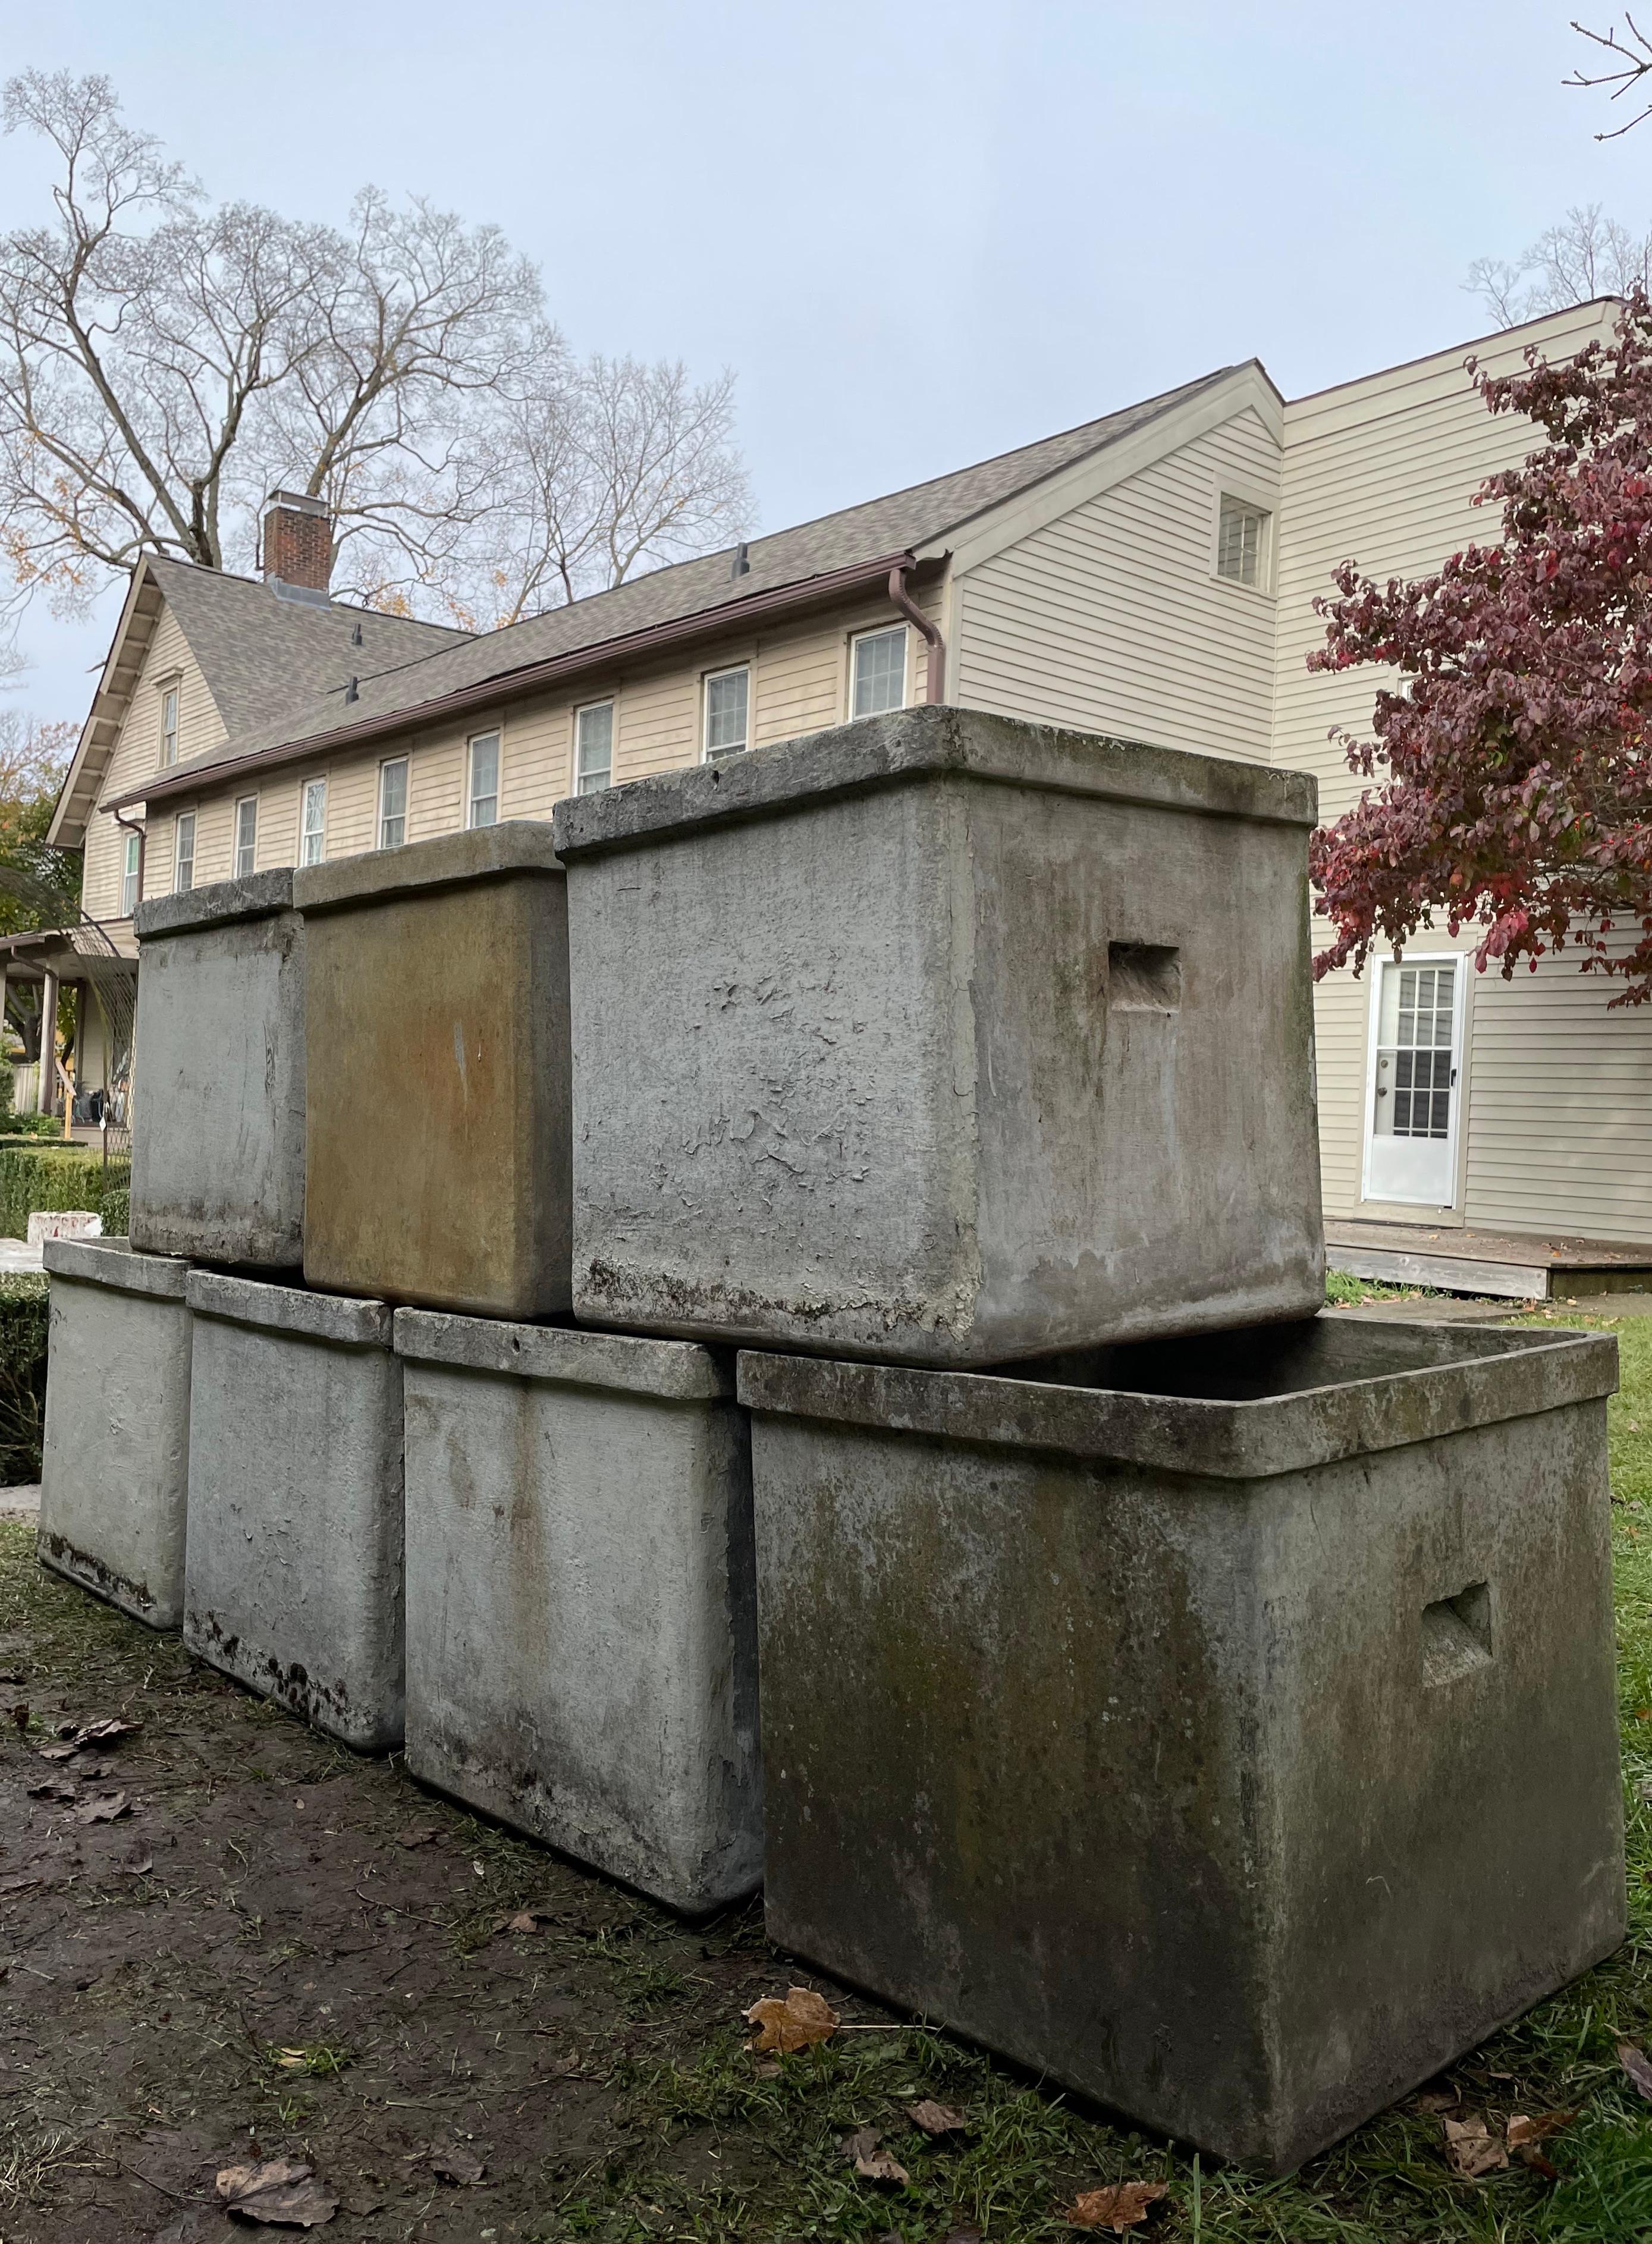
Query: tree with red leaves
[1518, 744]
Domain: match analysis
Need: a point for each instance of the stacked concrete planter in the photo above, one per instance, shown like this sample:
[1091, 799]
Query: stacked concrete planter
[581, 1623]
[438, 1133]
[293, 1574]
[218, 1134]
[1223, 1729]
[115, 1472]
[944, 1039]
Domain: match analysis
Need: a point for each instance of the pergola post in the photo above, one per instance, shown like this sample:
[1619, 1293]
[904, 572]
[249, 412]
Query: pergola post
[48, 1039]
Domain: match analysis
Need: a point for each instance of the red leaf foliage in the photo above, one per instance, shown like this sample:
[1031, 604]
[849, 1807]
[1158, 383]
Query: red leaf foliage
[1514, 750]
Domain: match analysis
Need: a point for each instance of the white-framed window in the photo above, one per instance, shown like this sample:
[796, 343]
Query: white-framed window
[246, 836]
[392, 819]
[593, 747]
[878, 672]
[481, 803]
[184, 850]
[727, 722]
[1242, 541]
[130, 874]
[312, 838]
[169, 725]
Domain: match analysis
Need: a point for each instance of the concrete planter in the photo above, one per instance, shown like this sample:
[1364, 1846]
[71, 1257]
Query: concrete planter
[944, 1038]
[218, 1134]
[438, 1078]
[581, 1621]
[1232, 1739]
[114, 1479]
[293, 1578]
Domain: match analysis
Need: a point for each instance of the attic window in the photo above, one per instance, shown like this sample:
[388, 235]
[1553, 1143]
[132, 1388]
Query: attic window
[1241, 533]
[169, 725]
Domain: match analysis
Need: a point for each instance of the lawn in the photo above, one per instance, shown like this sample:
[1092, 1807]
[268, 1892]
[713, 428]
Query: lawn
[279, 1949]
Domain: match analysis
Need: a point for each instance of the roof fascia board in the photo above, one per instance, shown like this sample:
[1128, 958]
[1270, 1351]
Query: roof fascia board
[726, 618]
[109, 706]
[1248, 386]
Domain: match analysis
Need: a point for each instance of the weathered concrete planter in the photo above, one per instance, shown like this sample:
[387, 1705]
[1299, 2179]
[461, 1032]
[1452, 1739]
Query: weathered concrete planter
[114, 1479]
[438, 1082]
[292, 1579]
[218, 1134]
[944, 1039]
[581, 1625]
[1233, 1740]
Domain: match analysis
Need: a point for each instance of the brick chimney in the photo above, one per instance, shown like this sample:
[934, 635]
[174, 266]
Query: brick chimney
[298, 544]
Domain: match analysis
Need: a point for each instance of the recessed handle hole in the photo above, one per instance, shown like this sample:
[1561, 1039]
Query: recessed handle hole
[1457, 1634]
[1145, 977]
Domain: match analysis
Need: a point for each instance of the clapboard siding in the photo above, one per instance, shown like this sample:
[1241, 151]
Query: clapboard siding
[136, 753]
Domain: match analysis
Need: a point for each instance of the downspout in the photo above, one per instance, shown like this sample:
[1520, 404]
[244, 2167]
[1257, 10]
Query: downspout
[131, 827]
[935, 688]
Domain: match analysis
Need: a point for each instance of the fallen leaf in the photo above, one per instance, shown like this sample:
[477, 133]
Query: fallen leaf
[798, 2022]
[526, 1920]
[937, 2119]
[769, 2069]
[861, 2149]
[281, 2190]
[452, 2163]
[1443, 2099]
[56, 1753]
[1522, 2130]
[1530, 2157]
[1122, 2205]
[1471, 2150]
[419, 1835]
[53, 1787]
[104, 1809]
[106, 1731]
[1634, 2062]
[20, 1717]
[134, 1864]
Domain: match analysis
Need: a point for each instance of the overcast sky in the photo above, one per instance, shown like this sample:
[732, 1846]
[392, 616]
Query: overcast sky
[921, 233]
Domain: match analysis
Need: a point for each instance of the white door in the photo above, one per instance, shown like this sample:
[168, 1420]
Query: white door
[1410, 1123]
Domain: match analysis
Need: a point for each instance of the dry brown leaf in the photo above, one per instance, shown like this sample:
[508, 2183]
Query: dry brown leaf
[53, 1787]
[526, 1920]
[937, 2119]
[56, 1753]
[1471, 2150]
[104, 1809]
[106, 1733]
[283, 2191]
[1634, 2062]
[1445, 2099]
[1121, 2205]
[1536, 2128]
[451, 2162]
[870, 2163]
[798, 2022]
[419, 1835]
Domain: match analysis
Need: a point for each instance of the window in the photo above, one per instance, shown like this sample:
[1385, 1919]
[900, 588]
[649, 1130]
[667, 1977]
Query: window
[169, 725]
[593, 747]
[877, 676]
[184, 850]
[246, 835]
[728, 702]
[393, 803]
[312, 846]
[130, 876]
[484, 808]
[1241, 531]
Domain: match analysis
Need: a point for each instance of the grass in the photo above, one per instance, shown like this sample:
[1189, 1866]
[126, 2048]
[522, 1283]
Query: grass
[1343, 1291]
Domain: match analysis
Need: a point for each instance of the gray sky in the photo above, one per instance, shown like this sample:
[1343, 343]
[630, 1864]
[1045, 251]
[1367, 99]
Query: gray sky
[922, 233]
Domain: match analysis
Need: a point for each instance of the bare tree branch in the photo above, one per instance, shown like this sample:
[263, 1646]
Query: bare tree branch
[1585, 256]
[1635, 62]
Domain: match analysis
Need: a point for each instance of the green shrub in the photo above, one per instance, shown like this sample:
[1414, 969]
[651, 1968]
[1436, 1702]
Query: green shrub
[31, 1126]
[58, 1177]
[22, 1377]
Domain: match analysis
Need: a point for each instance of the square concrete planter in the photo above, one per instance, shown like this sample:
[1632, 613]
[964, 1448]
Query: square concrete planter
[292, 1575]
[581, 1623]
[218, 1121]
[944, 1038]
[114, 1477]
[439, 1079]
[1230, 1738]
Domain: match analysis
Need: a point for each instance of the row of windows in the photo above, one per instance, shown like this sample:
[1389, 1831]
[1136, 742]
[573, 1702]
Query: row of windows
[878, 682]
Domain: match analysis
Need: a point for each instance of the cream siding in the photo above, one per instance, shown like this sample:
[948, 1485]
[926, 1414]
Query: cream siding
[1557, 1092]
[136, 753]
[1112, 617]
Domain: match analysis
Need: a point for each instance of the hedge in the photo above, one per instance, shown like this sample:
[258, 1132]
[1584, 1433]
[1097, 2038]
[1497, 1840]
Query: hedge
[22, 1377]
[60, 1177]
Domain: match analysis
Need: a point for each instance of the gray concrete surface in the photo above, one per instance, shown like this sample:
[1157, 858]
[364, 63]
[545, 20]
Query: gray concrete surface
[218, 1112]
[292, 1575]
[114, 1483]
[1233, 1741]
[581, 1623]
[438, 1108]
[21, 1503]
[942, 1038]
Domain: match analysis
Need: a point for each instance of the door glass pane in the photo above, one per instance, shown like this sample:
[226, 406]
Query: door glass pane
[1414, 1059]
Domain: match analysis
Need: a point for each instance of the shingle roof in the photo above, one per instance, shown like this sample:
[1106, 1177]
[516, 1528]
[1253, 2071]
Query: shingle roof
[902, 520]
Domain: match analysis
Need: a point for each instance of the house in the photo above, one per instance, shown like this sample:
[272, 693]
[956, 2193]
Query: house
[1149, 574]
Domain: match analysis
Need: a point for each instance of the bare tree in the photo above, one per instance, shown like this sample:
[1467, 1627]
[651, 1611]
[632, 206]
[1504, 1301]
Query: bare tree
[1587, 255]
[1625, 69]
[163, 363]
